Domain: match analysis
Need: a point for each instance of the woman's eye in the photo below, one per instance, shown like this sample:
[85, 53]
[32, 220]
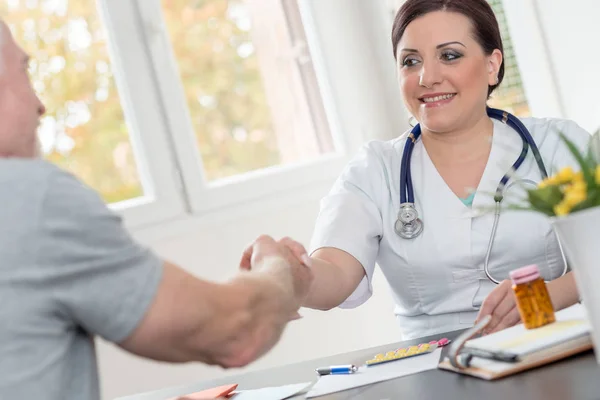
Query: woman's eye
[451, 56]
[409, 61]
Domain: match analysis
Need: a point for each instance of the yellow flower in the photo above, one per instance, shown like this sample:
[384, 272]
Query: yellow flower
[577, 186]
[562, 209]
[598, 174]
[549, 181]
[574, 197]
[565, 175]
[575, 193]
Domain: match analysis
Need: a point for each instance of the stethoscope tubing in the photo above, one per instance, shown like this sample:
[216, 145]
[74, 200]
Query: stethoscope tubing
[406, 187]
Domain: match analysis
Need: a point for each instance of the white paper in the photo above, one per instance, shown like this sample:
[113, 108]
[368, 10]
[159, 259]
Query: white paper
[378, 373]
[570, 323]
[271, 393]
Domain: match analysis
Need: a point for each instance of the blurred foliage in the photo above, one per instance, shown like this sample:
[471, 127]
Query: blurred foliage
[569, 190]
[510, 95]
[84, 129]
[223, 84]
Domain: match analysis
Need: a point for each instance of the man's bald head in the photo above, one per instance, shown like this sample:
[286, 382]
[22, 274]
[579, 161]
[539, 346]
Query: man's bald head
[20, 108]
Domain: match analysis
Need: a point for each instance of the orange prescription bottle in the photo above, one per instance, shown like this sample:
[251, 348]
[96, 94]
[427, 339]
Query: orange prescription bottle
[533, 300]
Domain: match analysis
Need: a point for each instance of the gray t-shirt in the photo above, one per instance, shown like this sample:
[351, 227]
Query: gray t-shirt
[68, 271]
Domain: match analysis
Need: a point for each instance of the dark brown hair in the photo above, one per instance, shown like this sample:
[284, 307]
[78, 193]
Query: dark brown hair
[485, 24]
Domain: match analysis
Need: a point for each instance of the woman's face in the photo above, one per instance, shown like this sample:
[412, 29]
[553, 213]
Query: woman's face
[443, 72]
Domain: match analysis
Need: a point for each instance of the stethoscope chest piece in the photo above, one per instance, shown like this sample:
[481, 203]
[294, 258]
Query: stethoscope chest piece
[408, 225]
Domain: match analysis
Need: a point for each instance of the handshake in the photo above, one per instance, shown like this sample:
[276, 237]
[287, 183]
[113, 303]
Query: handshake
[249, 313]
[285, 264]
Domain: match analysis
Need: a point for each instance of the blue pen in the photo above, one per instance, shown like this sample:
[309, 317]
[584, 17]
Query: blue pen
[337, 370]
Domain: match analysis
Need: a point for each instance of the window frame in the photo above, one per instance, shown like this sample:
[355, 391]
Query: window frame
[161, 200]
[530, 46]
[206, 196]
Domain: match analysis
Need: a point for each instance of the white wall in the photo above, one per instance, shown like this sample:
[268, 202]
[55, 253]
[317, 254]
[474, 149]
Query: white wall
[555, 44]
[572, 30]
[355, 39]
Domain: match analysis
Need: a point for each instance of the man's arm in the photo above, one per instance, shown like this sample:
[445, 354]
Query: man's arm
[227, 324]
[107, 284]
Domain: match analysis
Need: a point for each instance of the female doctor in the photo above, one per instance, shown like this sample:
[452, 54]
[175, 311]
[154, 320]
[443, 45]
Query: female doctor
[449, 60]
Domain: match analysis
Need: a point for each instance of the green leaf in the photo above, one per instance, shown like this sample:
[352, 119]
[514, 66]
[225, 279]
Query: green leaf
[594, 148]
[545, 199]
[585, 167]
[515, 207]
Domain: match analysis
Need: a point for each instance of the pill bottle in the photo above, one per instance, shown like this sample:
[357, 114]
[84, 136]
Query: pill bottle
[533, 300]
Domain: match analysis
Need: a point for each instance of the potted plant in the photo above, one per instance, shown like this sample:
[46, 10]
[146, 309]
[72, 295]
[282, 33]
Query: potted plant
[572, 200]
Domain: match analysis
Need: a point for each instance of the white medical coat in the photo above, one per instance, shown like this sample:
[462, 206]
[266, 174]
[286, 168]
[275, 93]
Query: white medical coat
[437, 279]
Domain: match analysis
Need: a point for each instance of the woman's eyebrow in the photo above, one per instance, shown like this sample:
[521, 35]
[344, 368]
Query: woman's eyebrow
[439, 46]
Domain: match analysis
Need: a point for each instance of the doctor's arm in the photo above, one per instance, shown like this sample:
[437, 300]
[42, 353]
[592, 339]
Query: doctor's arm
[563, 291]
[336, 275]
[501, 304]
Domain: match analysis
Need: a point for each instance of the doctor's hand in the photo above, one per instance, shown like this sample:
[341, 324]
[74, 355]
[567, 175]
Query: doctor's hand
[502, 306]
[285, 248]
[261, 254]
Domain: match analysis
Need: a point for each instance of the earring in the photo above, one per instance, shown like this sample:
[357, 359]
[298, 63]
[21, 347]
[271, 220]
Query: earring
[412, 121]
[497, 80]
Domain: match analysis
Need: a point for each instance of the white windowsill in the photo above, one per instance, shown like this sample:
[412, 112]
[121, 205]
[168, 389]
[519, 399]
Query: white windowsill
[191, 223]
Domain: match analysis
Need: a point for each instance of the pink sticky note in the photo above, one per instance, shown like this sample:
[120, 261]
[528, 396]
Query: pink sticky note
[214, 393]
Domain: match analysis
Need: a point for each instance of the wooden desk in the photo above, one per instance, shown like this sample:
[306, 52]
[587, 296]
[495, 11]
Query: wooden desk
[574, 378]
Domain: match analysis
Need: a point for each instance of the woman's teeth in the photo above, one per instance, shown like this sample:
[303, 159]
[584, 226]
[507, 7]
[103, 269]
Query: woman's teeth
[437, 98]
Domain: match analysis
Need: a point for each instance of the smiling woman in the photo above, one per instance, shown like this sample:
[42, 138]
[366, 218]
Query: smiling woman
[453, 66]
[449, 59]
[445, 79]
[510, 96]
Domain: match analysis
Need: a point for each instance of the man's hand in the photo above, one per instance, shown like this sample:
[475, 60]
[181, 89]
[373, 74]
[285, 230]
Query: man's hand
[262, 253]
[502, 306]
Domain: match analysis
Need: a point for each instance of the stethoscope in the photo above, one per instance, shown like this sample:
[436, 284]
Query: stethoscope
[408, 224]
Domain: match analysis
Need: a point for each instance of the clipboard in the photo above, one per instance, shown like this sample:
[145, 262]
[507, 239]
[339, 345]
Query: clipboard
[531, 348]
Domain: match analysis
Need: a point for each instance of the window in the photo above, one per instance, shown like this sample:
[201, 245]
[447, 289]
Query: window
[241, 64]
[510, 95]
[103, 121]
[173, 107]
[254, 120]
[84, 129]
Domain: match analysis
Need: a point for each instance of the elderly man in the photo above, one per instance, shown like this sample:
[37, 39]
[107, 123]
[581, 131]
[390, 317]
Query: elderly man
[69, 271]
